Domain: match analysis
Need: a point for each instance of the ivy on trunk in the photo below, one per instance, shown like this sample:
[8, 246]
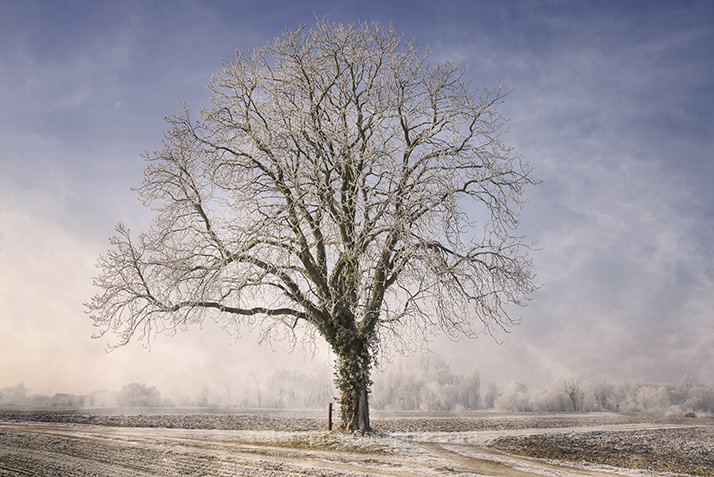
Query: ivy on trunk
[353, 382]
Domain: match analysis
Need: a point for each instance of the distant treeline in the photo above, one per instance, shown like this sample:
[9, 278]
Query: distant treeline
[130, 395]
[422, 382]
[425, 382]
[601, 394]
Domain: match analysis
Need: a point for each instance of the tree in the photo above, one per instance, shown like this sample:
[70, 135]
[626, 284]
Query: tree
[552, 398]
[571, 386]
[516, 399]
[257, 387]
[603, 394]
[338, 185]
[15, 395]
[139, 395]
[203, 399]
[471, 390]
[491, 396]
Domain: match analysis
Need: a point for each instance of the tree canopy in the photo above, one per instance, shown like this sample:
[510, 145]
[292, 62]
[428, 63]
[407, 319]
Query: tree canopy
[337, 185]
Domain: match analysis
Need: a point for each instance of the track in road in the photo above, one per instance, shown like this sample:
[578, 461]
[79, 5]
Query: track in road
[85, 450]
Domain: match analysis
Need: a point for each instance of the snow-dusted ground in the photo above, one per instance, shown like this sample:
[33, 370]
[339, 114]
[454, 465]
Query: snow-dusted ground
[74, 444]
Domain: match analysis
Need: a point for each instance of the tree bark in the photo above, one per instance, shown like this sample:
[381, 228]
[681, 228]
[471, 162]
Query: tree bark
[352, 380]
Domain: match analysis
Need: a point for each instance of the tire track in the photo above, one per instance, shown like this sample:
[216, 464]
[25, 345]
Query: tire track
[50, 450]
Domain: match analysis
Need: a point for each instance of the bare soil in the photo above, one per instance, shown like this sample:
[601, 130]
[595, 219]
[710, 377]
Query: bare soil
[679, 450]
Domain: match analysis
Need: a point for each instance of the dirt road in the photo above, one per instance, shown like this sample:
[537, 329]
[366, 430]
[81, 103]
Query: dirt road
[47, 449]
[51, 450]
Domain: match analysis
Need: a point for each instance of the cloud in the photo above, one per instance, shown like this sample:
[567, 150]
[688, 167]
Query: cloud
[612, 106]
[606, 115]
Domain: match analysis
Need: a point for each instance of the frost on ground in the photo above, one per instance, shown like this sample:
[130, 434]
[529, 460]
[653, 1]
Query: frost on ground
[683, 450]
[168, 443]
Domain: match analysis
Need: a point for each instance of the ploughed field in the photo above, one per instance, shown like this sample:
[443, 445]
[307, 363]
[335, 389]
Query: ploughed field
[168, 442]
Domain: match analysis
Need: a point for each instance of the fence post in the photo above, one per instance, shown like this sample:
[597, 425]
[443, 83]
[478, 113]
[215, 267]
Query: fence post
[329, 417]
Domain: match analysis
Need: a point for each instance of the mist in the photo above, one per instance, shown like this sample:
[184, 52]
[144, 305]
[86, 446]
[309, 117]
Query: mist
[422, 382]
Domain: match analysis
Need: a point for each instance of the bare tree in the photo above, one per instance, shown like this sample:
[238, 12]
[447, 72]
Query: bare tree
[203, 399]
[257, 387]
[603, 394]
[515, 399]
[572, 389]
[338, 185]
[471, 393]
[228, 394]
[491, 396]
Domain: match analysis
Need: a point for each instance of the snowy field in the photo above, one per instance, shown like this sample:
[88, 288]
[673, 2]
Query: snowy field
[169, 442]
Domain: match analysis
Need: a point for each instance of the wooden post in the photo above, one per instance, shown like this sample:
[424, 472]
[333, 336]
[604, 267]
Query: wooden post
[329, 417]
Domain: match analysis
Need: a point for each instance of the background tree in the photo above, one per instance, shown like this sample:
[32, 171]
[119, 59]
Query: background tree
[337, 185]
[603, 394]
[13, 395]
[139, 395]
[256, 382]
[424, 381]
[552, 398]
[471, 390]
[491, 396]
[515, 399]
[571, 385]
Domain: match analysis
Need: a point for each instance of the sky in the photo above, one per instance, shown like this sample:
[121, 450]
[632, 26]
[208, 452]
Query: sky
[612, 106]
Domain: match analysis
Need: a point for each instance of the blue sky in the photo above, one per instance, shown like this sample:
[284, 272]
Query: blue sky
[612, 105]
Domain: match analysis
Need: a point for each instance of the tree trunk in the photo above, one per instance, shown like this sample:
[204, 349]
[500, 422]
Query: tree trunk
[574, 401]
[352, 380]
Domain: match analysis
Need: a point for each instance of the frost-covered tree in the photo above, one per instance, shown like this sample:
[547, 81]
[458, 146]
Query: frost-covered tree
[470, 391]
[515, 399]
[337, 185]
[491, 396]
[552, 398]
[571, 385]
[139, 395]
[603, 392]
[424, 381]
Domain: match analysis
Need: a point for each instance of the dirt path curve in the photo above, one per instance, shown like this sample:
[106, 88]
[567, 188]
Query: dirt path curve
[479, 465]
[471, 451]
[493, 463]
